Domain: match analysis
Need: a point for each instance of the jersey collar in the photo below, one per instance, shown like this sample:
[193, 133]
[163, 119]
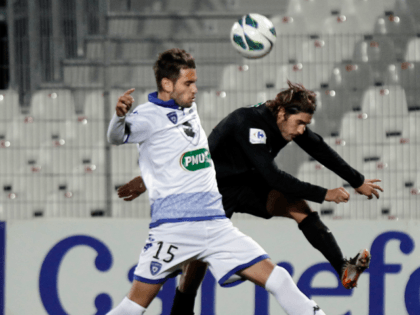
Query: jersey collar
[168, 104]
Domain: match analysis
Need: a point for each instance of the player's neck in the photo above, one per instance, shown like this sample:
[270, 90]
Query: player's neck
[164, 96]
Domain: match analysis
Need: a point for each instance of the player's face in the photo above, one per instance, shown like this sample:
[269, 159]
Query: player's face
[294, 125]
[185, 88]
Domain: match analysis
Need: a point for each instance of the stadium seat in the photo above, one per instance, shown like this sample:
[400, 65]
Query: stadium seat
[313, 12]
[402, 157]
[9, 105]
[413, 50]
[132, 51]
[324, 48]
[158, 28]
[332, 104]
[385, 101]
[66, 203]
[124, 27]
[83, 75]
[310, 75]
[142, 76]
[367, 12]
[125, 160]
[414, 10]
[351, 76]
[253, 77]
[292, 33]
[342, 25]
[33, 133]
[210, 51]
[289, 47]
[399, 28]
[95, 50]
[289, 25]
[377, 51]
[90, 134]
[209, 75]
[23, 197]
[360, 128]
[175, 5]
[409, 74]
[53, 104]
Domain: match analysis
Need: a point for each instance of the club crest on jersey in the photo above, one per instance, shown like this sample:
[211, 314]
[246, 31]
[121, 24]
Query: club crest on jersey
[155, 267]
[191, 131]
[195, 160]
[173, 117]
[257, 136]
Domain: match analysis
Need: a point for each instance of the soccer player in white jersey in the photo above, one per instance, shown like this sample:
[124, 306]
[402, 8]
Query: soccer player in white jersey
[188, 221]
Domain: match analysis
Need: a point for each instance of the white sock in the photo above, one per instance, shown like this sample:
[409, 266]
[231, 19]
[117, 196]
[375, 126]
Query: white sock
[127, 307]
[281, 285]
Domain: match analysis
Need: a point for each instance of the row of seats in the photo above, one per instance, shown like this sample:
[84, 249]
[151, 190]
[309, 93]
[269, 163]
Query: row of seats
[193, 6]
[123, 50]
[52, 121]
[252, 76]
[58, 197]
[310, 60]
[329, 22]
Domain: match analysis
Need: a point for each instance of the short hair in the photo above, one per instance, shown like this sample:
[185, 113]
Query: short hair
[169, 65]
[296, 99]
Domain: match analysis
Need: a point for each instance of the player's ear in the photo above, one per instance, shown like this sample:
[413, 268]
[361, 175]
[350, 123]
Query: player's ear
[281, 114]
[167, 85]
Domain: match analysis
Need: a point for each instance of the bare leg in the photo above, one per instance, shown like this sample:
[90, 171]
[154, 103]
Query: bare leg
[191, 278]
[279, 205]
[143, 293]
[138, 299]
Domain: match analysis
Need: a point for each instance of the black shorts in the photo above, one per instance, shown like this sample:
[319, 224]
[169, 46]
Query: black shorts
[245, 194]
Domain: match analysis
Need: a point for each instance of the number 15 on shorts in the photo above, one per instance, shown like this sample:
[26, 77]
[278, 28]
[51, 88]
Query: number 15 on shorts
[169, 256]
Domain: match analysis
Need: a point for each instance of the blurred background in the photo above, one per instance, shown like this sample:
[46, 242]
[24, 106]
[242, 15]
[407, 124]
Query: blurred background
[64, 63]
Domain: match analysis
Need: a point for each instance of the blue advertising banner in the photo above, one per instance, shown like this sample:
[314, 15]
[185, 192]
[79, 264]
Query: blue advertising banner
[53, 263]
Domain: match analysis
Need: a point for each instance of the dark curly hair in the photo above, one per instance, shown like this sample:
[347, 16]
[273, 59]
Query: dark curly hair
[169, 64]
[296, 99]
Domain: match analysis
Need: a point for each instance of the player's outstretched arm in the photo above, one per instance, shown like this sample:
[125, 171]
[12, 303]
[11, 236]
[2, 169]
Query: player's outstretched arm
[132, 189]
[337, 195]
[369, 188]
[116, 129]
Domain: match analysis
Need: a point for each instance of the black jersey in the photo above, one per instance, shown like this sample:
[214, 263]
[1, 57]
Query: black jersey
[247, 141]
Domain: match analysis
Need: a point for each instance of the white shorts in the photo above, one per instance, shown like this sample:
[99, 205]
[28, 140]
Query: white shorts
[216, 242]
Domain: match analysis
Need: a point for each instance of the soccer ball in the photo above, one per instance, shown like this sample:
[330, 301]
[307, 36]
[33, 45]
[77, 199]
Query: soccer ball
[253, 36]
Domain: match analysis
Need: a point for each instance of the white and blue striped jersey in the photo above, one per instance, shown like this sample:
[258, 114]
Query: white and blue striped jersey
[174, 160]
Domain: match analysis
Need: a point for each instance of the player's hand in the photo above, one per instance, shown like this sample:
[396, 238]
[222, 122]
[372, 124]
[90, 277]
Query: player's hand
[124, 103]
[132, 189]
[369, 188]
[337, 195]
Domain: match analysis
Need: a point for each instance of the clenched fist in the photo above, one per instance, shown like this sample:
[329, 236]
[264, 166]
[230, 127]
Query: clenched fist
[124, 103]
[337, 195]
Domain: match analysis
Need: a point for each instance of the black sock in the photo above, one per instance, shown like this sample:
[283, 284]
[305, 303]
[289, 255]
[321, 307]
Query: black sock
[323, 240]
[183, 303]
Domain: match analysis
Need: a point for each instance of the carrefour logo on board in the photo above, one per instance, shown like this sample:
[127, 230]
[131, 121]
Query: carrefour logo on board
[195, 160]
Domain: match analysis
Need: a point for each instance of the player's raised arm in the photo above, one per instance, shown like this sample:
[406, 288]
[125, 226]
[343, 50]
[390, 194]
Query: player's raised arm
[117, 130]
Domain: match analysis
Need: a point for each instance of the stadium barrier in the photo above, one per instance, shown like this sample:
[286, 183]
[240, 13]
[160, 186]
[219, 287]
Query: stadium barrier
[82, 267]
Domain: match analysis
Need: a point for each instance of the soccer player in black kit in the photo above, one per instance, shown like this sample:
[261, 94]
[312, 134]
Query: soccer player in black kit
[243, 147]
